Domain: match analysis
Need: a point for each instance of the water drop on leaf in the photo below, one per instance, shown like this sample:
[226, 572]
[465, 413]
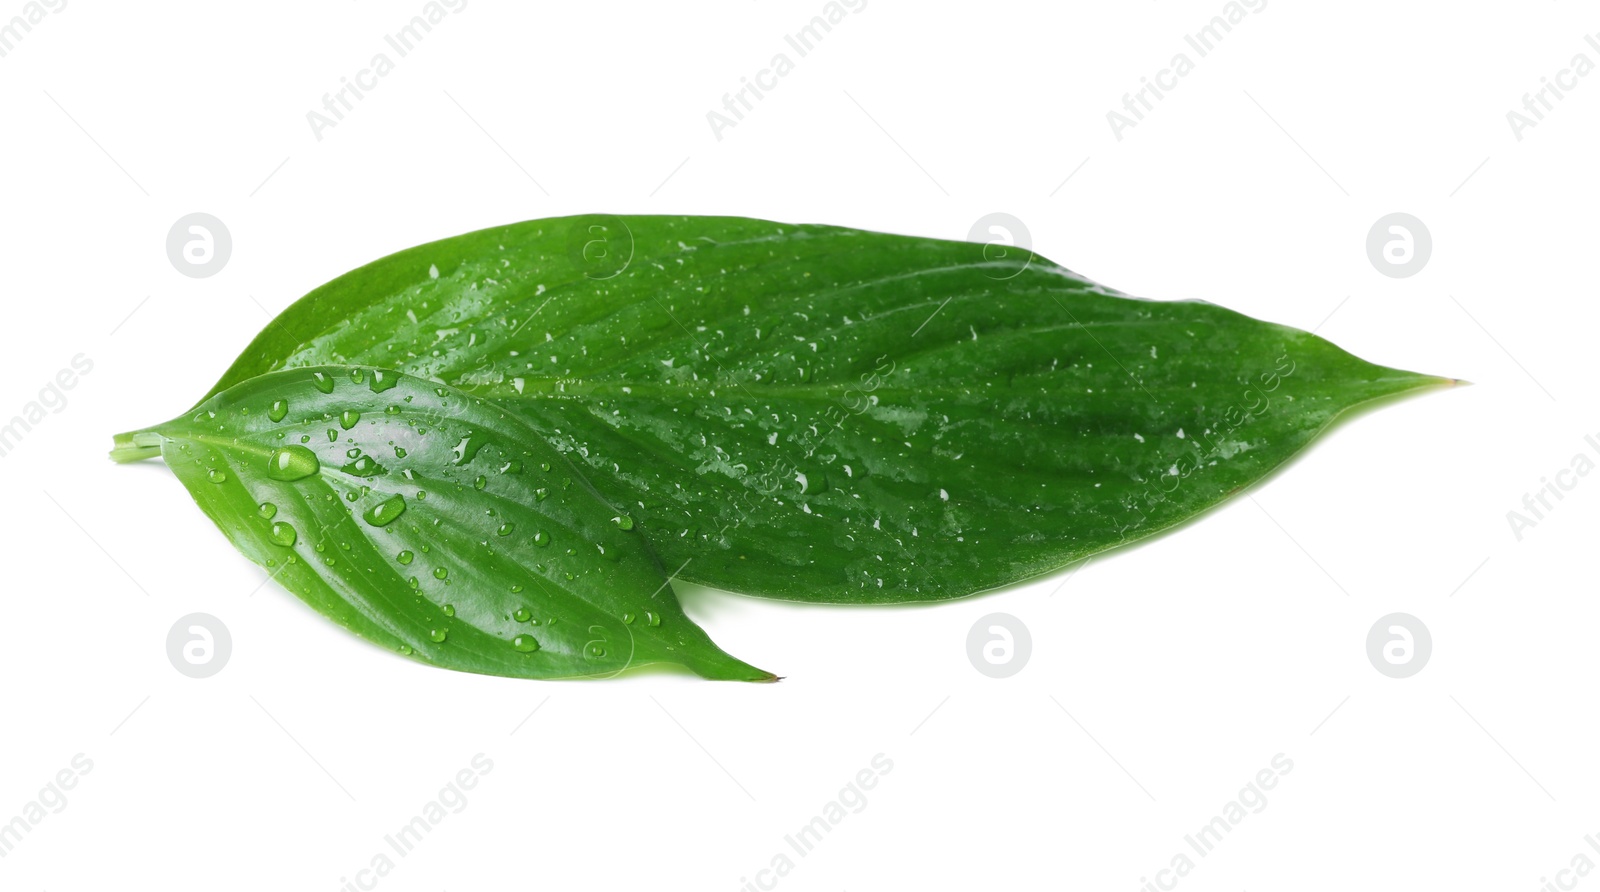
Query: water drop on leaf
[365, 467]
[468, 447]
[292, 463]
[384, 513]
[283, 534]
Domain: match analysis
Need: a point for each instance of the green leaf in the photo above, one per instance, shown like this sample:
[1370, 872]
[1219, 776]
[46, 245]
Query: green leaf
[432, 523]
[827, 414]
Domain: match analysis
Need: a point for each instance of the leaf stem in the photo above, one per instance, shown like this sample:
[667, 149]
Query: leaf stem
[135, 446]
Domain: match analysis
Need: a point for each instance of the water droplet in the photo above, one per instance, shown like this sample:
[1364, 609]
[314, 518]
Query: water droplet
[627, 619]
[348, 418]
[525, 644]
[652, 618]
[511, 467]
[541, 538]
[624, 522]
[399, 452]
[267, 510]
[279, 409]
[449, 610]
[365, 467]
[323, 382]
[283, 534]
[516, 587]
[440, 572]
[217, 475]
[468, 447]
[481, 482]
[382, 380]
[541, 494]
[595, 651]
[544, 466]
[438, 635]
[522, 614]
[384, 513]
[505, 529]
[292, 463]
[405, 649]
[405, 557]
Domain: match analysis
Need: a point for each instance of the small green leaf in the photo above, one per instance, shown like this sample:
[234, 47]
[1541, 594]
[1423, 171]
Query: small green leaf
[418, 558]
[827, 414]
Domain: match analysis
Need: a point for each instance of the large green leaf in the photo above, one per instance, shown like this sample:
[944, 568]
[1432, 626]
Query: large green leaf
[826, 414]
[432, 523]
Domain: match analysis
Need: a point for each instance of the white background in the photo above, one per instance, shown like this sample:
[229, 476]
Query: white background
[1162, 677]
